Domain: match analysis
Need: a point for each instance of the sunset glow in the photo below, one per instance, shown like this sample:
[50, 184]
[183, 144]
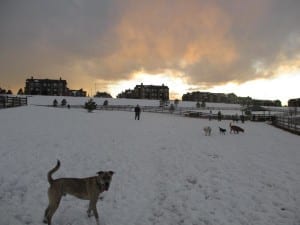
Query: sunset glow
[285, 86]
[175, 81]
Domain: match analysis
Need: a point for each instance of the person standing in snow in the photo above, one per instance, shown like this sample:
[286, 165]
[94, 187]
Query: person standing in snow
[219, 116]
[137, 111]
[210, 115]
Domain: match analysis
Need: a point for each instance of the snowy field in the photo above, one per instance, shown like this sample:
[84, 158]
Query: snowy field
[166, 170]
[48, 100]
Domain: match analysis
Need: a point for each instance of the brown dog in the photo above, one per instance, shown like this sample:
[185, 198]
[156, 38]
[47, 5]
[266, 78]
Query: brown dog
[84, 188]
[235, 129]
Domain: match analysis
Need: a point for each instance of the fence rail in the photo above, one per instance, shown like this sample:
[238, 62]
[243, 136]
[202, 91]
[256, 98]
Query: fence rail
[289, 123]
[10, 101]
[188, 112]
[115, 107]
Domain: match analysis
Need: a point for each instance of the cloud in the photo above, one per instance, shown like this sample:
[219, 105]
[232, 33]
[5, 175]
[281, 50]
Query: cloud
[171, 35]
[210, 42]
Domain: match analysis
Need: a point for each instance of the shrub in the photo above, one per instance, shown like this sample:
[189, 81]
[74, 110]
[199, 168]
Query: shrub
[63, 102]
[90, 105]
[55, 103]
[203, 104]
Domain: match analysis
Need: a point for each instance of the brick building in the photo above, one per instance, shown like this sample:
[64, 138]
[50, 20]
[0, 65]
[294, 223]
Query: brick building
[294, 102]
[51, 87]
[77, 93]
[226, 98]
[147, 92]
[46, 87]
[205, 97]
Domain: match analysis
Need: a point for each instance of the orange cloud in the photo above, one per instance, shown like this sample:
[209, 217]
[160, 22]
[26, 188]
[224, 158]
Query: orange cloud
[151, 35]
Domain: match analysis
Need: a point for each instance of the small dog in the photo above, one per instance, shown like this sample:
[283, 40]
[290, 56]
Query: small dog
[222, 130]
[207, 130]
[84, 188]
[235, 129]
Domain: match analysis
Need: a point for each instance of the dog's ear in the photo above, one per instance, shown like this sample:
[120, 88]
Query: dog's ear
[111, 173]
[100, 173]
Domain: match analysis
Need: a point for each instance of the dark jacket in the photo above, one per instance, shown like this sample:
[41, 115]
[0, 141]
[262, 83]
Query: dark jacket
[137, 109]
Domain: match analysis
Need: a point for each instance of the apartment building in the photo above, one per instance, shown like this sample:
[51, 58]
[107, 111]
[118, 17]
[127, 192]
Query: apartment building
[46, 87]
[159, 92]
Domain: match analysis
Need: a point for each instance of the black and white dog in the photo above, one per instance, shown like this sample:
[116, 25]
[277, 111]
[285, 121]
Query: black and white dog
[222, 130]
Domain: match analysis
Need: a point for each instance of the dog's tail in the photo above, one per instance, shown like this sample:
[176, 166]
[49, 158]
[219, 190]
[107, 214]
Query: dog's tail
[49, 175]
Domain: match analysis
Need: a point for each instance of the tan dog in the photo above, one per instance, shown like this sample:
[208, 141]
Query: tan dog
[84, 188]
[207, 130]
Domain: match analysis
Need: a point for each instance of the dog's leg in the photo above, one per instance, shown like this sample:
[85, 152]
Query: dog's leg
[53, 209]
[54, 200]
[89, 211]
[46, 215]
[93, 207]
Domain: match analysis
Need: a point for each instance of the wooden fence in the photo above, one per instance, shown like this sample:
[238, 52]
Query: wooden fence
[10, 101]
[130, 108]
[183, 111]
[289, 123]
[115, 107]
[283, 121]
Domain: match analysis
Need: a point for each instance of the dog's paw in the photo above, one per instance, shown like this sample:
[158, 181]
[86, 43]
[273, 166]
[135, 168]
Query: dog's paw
[89, 213]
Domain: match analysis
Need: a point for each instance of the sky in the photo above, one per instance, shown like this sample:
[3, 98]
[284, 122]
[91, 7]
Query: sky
[250, 48]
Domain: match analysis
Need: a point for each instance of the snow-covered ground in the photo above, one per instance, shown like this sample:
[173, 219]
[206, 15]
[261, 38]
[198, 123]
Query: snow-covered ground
[166, 170]
[48, 100]
[225, 108]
